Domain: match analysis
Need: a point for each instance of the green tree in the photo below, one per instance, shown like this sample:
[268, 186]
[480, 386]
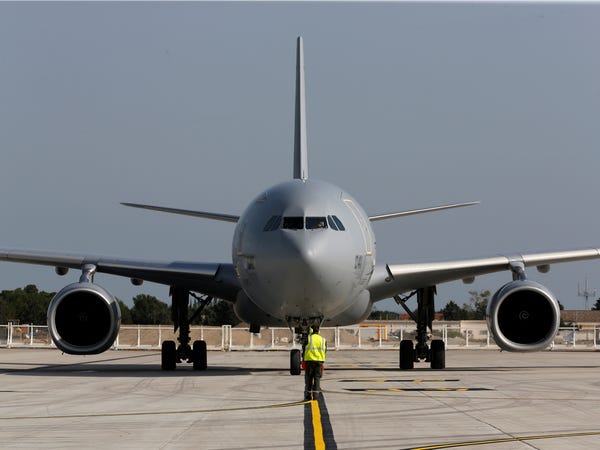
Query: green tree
[453, 312]
[126, 318]
[27, 305]
[7, 308]
[148, 310]
[219, 312]
[596, 306]
[383, 315]
[479, 302]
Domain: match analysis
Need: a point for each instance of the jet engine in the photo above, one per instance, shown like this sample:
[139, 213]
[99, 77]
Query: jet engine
[83, 319]
[523, 316]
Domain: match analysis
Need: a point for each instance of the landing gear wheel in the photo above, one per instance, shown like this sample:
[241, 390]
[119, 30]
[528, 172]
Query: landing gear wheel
[199, 355]
[407, 355]
[168, 355]
[295, 362]
[438, 354]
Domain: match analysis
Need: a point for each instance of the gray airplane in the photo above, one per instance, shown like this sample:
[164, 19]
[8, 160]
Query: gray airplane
[303, 253]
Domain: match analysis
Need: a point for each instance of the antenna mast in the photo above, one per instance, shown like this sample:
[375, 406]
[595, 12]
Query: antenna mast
[586, 293]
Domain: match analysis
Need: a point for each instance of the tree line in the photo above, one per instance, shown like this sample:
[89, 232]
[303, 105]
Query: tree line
[473, 310]
[29, 305]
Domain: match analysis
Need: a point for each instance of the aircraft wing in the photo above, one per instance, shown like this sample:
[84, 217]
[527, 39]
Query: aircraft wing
[412, 212]
[393, 279]
[186, 212]
[214, 279]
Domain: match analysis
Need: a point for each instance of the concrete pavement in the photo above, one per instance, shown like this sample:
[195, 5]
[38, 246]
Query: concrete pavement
[248, 400]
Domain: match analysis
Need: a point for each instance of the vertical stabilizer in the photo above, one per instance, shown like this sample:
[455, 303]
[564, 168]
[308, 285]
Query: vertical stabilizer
[300, 149]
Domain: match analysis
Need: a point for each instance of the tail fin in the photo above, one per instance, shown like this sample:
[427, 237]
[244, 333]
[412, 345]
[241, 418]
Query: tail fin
[300, 149]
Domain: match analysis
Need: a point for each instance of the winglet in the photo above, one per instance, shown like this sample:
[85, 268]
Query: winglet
[300, 149]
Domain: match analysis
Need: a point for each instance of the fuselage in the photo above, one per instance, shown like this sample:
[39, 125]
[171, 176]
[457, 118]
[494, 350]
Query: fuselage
[305, 249]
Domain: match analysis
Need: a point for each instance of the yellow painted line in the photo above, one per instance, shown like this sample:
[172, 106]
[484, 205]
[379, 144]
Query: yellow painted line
[317, 427]
[396, 380]
[503, 440]
[398, 389]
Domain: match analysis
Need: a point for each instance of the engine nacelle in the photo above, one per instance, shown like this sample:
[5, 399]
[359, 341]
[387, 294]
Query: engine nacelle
[84, 319]
[523, 316]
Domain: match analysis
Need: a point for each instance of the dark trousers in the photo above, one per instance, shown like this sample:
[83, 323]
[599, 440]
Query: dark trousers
[312, 375]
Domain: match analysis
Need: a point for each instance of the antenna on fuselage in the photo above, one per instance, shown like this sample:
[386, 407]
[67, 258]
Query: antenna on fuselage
[300, 149]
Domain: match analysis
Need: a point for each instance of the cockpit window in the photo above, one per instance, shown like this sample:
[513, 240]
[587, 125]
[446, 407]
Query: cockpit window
[293, 223]
[299, 223]
[332, 224]
[315, 223]
[339, 224]
[273, 223]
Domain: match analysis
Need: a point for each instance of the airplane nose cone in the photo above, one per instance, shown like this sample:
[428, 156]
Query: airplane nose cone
[302, 273]
[303, 257]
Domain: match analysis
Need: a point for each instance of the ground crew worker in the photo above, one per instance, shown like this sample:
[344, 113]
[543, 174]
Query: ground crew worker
[314, 357]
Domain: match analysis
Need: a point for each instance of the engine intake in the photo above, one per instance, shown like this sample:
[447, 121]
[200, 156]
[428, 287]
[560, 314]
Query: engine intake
[83, 319]
[523, 316]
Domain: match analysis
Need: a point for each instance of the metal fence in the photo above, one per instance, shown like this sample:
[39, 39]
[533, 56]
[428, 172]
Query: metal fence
[365, 337]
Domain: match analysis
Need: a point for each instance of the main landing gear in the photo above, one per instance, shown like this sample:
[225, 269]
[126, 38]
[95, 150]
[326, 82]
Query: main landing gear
[411, 353]
[170, 354]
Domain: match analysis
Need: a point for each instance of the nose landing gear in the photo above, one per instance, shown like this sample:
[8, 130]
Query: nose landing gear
[295, 362]
[301, 329]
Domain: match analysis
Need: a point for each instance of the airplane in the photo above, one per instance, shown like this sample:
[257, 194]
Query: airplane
[303, 254]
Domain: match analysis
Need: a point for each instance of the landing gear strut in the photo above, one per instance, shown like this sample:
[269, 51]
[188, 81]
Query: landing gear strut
[301, 330]
[170, 354]
[409, 354]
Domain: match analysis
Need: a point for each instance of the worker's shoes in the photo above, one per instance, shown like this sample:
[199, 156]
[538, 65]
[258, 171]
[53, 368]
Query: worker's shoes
[311, 395]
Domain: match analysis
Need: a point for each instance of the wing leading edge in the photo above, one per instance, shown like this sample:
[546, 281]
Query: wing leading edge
[216, 279]
[412, 212]
[186, 212]
[393, 279]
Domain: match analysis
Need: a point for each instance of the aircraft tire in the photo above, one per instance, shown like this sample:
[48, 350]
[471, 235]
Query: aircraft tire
[168, 355]
[295, 362]
[199, 359]
[407, 355]
[438, 354]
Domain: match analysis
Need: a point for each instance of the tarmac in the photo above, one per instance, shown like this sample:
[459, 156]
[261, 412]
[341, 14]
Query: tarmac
[485, 399]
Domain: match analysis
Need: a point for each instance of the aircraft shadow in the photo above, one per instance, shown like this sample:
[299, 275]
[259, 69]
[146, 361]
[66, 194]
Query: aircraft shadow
[125, 366]
[112, 367]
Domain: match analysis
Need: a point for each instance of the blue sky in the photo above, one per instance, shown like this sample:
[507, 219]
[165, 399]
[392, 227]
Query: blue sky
[190, 105]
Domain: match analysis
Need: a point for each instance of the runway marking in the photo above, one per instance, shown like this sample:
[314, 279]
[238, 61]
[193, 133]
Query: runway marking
[317, 428]
[415, 394]
[318, 433]
[439, 389]
[503, 440]
[397, 381]
[156, 413]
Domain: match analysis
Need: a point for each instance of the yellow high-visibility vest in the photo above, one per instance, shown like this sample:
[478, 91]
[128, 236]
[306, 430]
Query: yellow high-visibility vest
[315, 348]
